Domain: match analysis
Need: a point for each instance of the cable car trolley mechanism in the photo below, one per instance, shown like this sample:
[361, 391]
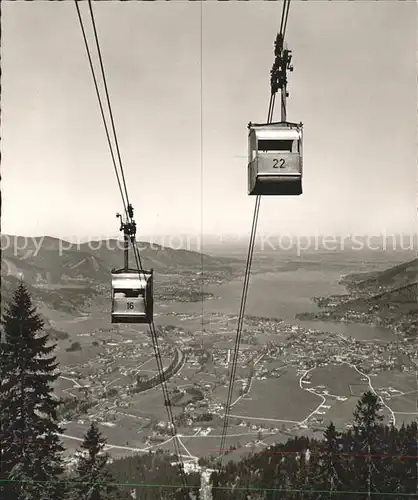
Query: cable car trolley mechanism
[132, 289]
[275, 158]
[275, 149]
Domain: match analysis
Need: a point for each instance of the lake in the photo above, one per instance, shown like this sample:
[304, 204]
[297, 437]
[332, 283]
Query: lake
[279, 295]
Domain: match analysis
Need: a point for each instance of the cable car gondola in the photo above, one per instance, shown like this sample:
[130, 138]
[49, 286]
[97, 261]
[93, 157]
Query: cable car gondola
[132, 296]
[275, 158]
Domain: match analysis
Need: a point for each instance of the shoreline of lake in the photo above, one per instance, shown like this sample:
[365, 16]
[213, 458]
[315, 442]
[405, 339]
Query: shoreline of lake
[283, 295]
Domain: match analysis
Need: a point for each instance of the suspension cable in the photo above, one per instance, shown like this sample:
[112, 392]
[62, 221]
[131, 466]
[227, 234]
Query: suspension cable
[202, 285]
[100, 102]
[285, 16]
[127, 206]
[108, 99]
[128, 209]
[163, 383]
[283, 24]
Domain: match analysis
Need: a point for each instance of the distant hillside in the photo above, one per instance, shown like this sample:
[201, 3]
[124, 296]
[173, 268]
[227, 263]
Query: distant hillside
[67, 277]
[53, 261]
[388, 298]
[387, 305]
[371, 283]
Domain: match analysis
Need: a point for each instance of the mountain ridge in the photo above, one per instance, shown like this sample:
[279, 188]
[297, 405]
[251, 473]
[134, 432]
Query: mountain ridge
[387, 298]
[73, 277]
[52, 260]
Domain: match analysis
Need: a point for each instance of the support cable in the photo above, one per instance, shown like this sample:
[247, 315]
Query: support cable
[100, 102]
[274, 89]
[108, 100]
[129, 215]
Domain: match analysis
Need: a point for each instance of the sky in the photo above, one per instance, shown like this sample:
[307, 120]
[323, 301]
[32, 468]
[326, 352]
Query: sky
[185, 78]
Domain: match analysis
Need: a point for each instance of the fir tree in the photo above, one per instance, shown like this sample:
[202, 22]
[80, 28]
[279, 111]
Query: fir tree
[367, 418]
[94, 482]
[31, 462]
[330, 461]
[367, 427]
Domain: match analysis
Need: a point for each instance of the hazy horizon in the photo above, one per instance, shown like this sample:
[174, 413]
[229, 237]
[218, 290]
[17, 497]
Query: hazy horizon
[360, 173]
[206, 244]
[214, 235]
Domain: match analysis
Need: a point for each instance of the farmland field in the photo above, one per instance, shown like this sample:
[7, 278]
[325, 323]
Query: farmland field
[221, 392]
[341, 412]
[150, 403]
[230, 345]
[278, 398]
[406, 419]
[407, 403]
[404, 382]
[336, 379]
